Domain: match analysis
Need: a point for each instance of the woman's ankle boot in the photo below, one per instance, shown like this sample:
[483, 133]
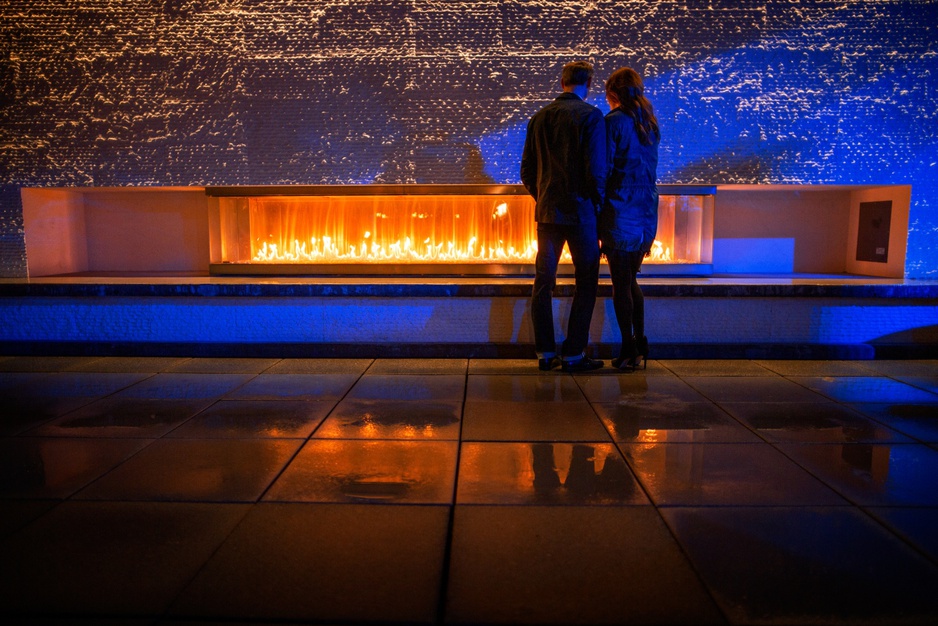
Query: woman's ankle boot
[627, 355]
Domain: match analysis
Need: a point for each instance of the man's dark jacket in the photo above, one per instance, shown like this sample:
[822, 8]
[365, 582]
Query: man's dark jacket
[563, 165]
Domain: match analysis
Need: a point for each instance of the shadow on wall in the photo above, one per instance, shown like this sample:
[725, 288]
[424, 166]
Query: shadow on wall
[433, 161]
[747, 161]
[307, 142]
[286, 144]
[922, 335]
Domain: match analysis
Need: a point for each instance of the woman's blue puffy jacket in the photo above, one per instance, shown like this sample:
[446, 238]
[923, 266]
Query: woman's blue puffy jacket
[629, 218]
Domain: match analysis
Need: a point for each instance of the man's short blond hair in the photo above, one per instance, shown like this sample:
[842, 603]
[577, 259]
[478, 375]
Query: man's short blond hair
[577, 73]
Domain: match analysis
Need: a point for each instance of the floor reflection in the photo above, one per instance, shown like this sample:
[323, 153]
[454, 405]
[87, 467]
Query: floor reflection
[34, 467]
[410, 472]
[638, 388]
[810, 422]
[916, 420]
[255, 418]
[523, 388]
[867, 389]
[670, 420]
[121, 417]
[874, 474]
[695, 474]
[501, 494]
[389, 419]
[408, 387]
[805, 565]
[544, 473]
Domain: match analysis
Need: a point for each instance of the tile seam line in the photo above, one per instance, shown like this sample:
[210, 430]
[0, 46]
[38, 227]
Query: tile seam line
[442, 591]
[307, 439]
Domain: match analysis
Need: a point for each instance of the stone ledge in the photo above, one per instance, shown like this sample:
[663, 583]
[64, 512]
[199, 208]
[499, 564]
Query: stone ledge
[469, 288]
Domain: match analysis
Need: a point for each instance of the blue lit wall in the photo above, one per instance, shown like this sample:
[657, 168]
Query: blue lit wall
[236, 92]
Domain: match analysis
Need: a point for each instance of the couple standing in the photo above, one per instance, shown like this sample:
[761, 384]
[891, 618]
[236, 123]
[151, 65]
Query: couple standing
[593, 182]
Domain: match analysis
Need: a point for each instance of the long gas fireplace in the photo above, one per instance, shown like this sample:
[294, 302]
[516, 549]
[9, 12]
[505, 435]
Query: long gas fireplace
[419, 229]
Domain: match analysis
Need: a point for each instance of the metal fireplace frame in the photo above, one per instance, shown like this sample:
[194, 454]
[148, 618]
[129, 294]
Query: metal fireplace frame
[220, 267]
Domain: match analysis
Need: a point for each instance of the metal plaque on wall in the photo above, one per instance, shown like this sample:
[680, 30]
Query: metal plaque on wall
[873, 232]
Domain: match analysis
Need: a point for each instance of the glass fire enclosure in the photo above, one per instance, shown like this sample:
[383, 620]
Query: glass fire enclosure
[419, 229]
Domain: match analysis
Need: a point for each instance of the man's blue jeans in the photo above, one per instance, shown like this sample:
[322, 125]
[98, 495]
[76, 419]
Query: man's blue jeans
[584, 248]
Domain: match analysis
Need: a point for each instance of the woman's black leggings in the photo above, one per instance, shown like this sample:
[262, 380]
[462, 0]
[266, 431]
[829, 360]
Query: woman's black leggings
[627, 296]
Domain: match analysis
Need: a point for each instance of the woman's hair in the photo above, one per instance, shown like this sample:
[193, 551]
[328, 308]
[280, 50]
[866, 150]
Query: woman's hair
[626, 86]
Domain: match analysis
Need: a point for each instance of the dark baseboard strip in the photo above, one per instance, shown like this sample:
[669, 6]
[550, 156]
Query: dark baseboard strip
[457, 350]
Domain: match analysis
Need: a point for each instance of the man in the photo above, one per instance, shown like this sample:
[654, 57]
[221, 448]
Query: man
[564, 168]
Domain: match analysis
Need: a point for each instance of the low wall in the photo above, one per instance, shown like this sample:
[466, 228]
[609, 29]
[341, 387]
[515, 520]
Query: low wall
[470, 319]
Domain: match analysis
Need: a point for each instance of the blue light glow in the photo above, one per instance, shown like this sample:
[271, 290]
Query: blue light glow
[773, 111]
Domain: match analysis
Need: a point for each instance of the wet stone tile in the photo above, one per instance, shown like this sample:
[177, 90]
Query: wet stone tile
[18, 415]
[380, 472]
[752, 389]
[15, 514]
[715, 367]
[570, 565]
[82, 384]
[309, 387]
[523, 367]
[867, 389]
[100, 621]
[123, 417]
[216, 470]
[817, 368]
[171, 386]
[545, 473]
[927, 383]
[917, 367]
[691, 474]
[671, 420]
[44, 363]
[320, 366]
[810, 422]
[38, 467]
[650, 367]
[325, 563]
[109, 558]
[28, 399]
[223, 366]
[528, 367]
[418, 366]
[254, 418]
[444, 387]
[130, 364]
[531, 421]
[393, 419]
[17, 384]
[915, 524]
[805, 566]
[916, 420]
[503, 388]
[873, 474]
[632, 388]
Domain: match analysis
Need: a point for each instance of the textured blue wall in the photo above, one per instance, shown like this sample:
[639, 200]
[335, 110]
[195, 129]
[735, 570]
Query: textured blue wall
[198, 92]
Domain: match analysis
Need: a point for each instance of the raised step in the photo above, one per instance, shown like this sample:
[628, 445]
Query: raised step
[715, 317]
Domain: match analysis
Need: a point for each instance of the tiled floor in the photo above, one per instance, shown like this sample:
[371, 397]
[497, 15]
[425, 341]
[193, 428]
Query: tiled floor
[177, 491]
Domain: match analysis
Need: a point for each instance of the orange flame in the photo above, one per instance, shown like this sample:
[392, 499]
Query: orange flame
[388, 229]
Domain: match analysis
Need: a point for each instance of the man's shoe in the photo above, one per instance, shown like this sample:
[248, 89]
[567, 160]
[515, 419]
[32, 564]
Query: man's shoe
[545, 365]
[584, 364]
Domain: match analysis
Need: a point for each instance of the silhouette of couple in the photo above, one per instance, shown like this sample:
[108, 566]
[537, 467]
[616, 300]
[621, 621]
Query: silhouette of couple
[593, 179]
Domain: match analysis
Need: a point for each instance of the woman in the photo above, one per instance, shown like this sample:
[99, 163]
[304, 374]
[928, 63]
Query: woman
[629, 218]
